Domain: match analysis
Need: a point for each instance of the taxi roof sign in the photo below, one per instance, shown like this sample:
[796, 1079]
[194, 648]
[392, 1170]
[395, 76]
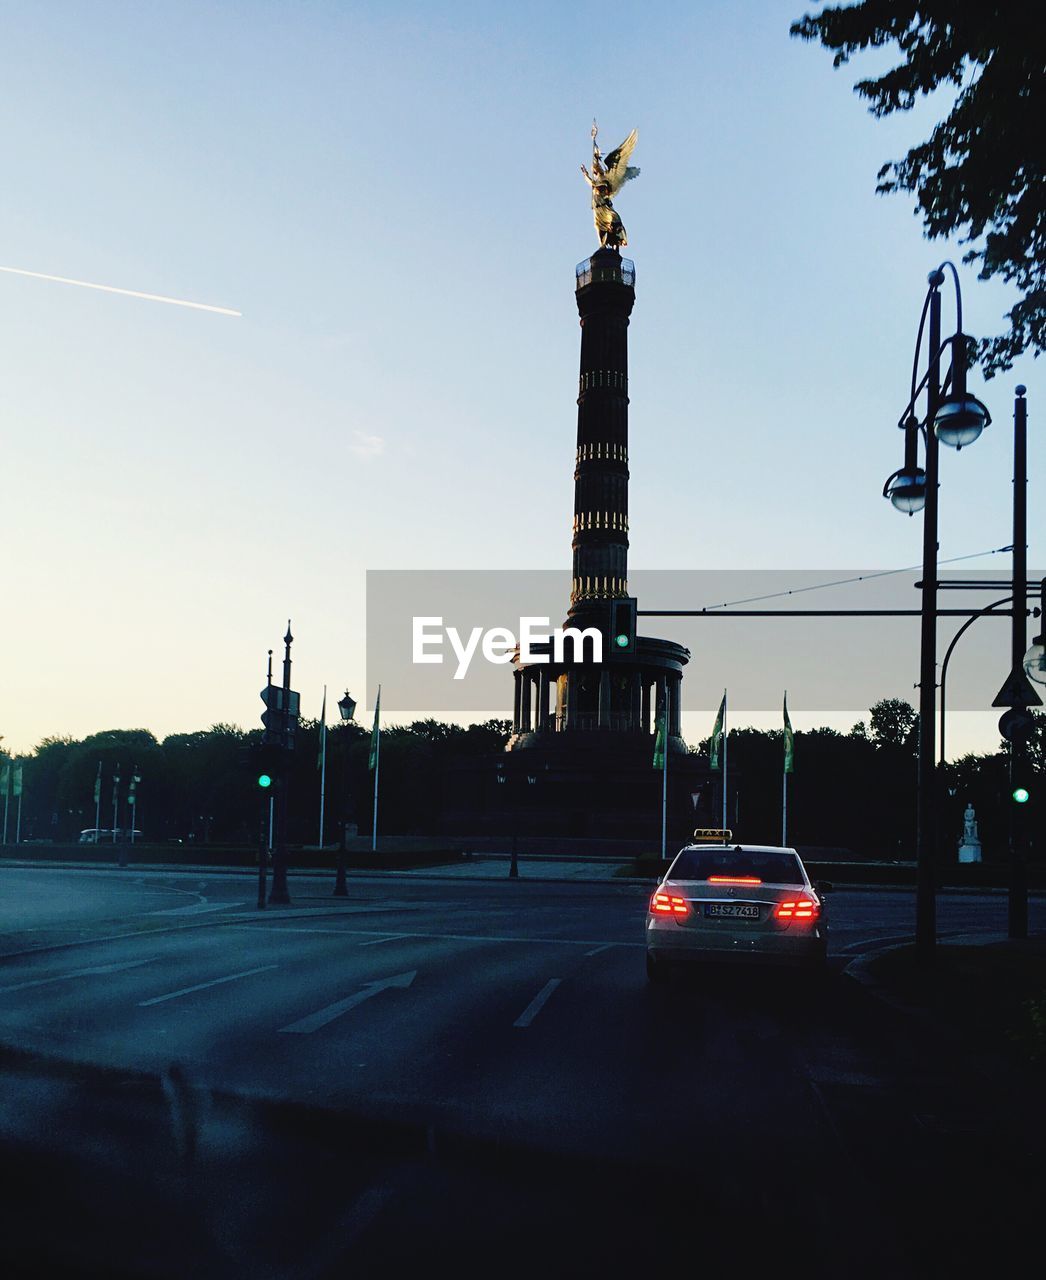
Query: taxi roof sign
[713, 835]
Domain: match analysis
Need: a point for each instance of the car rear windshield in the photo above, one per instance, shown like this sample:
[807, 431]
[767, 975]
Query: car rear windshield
[771, 868]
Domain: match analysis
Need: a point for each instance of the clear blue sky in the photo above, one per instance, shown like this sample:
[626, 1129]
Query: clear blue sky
[390, 194]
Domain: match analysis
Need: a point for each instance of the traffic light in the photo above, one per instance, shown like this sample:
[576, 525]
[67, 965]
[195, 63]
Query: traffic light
[623, 625]
[280, 717]
[264, 764]
[1020, 795]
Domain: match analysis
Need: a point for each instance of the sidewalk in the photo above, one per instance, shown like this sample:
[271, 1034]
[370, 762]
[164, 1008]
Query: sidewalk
[478, 866]
[986, 993]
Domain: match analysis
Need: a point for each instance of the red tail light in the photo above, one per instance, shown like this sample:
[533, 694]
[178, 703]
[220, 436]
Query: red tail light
[734, 880]
[669, 904]
[798, 909]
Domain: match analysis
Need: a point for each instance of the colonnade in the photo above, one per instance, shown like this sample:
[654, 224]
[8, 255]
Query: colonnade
[581, 703]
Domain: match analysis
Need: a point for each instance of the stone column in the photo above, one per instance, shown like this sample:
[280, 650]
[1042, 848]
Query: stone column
[645, 705]
[635, 714]
[562, 701]
[604, 699]
[518, 701]
[675, 696]
[524, 711]
[541, 716]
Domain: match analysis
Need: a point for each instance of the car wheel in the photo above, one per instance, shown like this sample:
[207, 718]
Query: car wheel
[655, 968]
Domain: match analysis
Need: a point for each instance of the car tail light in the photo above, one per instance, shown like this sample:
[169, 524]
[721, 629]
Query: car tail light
[734, 880]
[669, 904]
[798, 909]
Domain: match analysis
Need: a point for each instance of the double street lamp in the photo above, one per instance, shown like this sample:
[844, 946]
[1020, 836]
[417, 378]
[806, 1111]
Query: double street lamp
[346, 709]
[954, 418]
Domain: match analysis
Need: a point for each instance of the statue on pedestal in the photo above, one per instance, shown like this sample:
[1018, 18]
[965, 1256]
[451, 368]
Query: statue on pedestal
[606, 180]
[970, 845]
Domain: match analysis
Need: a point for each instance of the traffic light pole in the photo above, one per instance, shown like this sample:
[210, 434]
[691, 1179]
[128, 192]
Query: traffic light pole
[1018, 895]
[263, 851]
[279, 894]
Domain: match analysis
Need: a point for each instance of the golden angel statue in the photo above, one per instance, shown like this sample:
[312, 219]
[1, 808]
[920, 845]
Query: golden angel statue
[606, 180]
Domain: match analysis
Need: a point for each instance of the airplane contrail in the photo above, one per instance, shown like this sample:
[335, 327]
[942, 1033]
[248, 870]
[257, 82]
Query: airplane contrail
[128, 293]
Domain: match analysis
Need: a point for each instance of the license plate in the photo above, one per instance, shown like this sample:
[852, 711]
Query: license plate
[731, 910]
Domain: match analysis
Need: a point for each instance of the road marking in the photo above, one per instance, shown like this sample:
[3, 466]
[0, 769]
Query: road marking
[314, 1021]
[438, 937]
[537, 1004]
[605, 947]
[195, 909]
[77, 973]
[873, 943]
[202, 986]
[376, 942]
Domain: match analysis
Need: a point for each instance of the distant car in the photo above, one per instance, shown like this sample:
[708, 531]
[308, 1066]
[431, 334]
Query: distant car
[105, 836]
[735, 902]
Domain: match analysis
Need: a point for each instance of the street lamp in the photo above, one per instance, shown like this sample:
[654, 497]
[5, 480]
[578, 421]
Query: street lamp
[960, 417]
[954, 419]
[906, 488]
[346, 709]
[1035, 658]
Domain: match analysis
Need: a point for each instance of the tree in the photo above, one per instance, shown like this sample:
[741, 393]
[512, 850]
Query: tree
[980, 173]
[893, 723]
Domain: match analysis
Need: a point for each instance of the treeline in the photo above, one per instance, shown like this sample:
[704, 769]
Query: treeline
[853, 790]
[859, 790]
[196, 787]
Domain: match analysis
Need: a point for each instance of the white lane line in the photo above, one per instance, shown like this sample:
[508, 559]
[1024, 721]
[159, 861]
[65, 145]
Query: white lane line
[376, 942]
[314, 1021]
[437, 937]
[77, 973]
[202, 986]
[605, 947]
[537, 1004]
[195, 909]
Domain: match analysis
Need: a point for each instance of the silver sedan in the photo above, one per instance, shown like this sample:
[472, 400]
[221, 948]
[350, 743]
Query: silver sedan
[734, 902]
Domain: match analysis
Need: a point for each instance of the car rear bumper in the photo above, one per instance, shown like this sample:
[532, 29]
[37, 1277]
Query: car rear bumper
[666, 939]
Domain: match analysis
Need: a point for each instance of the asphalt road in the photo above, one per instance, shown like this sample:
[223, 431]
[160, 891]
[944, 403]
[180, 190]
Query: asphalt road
[437, 1068]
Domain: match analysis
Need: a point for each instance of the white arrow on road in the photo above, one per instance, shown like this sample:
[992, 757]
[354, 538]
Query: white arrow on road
[77, 973]
[322, 1016]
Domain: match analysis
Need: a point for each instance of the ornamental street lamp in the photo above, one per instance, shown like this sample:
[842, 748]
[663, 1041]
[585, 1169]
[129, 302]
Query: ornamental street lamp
[954, 418]
[1035, 658]
[346, 709]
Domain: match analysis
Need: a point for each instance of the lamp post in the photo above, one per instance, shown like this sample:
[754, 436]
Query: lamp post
[346, 709]
[1035, 658]
[1017, 724]
[955, 419]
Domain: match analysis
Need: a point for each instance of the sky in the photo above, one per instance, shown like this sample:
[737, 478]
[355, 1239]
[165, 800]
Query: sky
[390, 195]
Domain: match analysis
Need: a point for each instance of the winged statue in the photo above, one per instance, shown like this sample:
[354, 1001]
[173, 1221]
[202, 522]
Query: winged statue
[606, 180]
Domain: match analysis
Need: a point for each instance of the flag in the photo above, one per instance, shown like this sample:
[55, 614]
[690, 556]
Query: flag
[16, 790]
[715, 746]
[789, 740]
[5, 780]
[98, 784]
[323, 730]
[375, 732]
[659, 741]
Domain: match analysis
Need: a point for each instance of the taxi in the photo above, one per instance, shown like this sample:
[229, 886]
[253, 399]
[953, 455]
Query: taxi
[723, 901]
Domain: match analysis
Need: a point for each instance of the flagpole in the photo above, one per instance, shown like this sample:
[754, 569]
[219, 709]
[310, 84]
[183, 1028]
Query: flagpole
[377, 767]
[664, 777]
[98, 802]
[323, 760]
[785, 785]
[726, 739]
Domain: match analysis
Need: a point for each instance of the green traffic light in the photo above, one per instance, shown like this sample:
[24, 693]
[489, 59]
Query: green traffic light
[1020, 795]
[264, 780]
[621, 641]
